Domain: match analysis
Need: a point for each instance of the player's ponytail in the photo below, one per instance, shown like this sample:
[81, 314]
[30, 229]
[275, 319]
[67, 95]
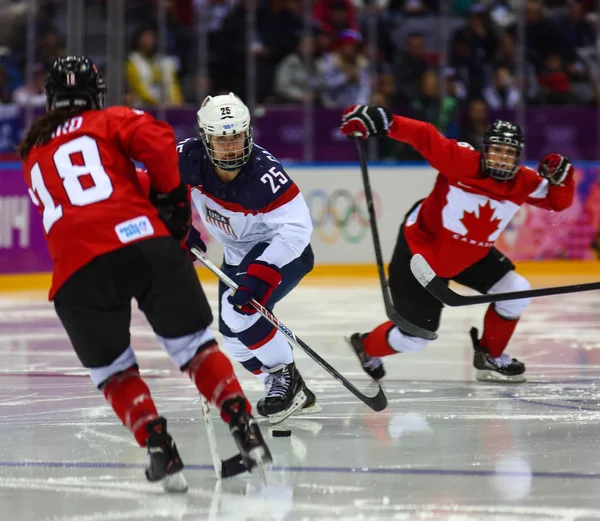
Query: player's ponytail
[41, 131]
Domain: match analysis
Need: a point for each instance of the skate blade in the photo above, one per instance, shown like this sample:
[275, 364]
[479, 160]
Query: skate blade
[484, 375]
[262, 460]
[175, 483]
[314, 408]
[297, 404]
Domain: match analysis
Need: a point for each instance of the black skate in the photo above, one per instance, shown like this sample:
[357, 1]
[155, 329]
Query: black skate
[254, 452]
[286, 394]
[165, 463]
[504, 369]
[311, 406]
[372, 365]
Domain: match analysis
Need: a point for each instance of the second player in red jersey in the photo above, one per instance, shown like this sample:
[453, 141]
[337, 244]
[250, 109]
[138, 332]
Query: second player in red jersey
[475, 196]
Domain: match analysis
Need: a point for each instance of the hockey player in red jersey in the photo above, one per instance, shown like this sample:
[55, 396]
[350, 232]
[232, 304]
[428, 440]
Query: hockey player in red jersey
[475, 196]
[110, 243]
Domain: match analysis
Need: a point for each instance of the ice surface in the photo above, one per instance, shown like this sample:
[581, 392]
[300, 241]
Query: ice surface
[446, 448]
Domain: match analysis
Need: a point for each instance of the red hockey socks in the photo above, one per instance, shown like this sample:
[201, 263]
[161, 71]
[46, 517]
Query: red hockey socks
[213, 375]
[497, 331]
[376, 342]
[130, 398]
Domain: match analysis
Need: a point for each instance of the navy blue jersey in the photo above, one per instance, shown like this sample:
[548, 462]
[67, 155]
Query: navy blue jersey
[261, 204]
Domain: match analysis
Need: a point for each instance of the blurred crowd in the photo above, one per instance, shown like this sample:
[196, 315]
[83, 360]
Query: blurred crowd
[425, 57]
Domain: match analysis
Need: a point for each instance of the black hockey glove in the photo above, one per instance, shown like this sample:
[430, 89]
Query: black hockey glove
[175, 210]
[555, 168]
[366, 121]
[195, 239]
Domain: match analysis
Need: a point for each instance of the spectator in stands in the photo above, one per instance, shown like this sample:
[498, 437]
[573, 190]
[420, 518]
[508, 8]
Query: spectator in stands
[432, 107]
[414, 7]
[295, 75]
[541, 34]
[409, 69]
[49, 47]
[575, 30]
[35, 93]
[477, 121]
[4, 87]
[228, 72]
[385, 92]
[506, 58]
[180, 40]
[466, 71]
[502, 92]
[280, 28]
[344, 74]
[152, 77]
[554, 82]
[43, 25]
[335, 16]
[579, 40]
[323, 40]
[480, 33]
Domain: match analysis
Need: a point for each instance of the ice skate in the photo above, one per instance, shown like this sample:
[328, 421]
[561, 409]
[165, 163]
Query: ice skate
[371, 365]
[254, 452]
[286, 395]
[165, 464]
[503, 369]
[311, 406]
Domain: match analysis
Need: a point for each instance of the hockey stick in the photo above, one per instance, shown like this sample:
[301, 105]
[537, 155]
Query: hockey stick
[438, 288]
[377, 402]
[392, 314]
[223, 468]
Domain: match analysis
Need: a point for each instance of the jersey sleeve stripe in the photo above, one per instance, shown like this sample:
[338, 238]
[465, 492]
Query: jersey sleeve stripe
[283, 199]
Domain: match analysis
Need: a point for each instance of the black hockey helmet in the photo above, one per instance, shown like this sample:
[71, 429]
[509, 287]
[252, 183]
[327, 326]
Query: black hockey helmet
[502, 148]
[74, 81]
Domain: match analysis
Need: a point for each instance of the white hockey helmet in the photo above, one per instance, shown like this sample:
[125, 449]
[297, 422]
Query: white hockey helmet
[226, 115]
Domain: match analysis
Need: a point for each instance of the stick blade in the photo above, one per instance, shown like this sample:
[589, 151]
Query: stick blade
[422, 270]
[379, 402]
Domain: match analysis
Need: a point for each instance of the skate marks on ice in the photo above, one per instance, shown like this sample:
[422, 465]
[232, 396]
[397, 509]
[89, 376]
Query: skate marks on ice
[106, 498]
[530, 452]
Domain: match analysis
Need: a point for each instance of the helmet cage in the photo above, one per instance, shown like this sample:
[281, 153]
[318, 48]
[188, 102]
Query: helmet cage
[501, 166]
[229, 164]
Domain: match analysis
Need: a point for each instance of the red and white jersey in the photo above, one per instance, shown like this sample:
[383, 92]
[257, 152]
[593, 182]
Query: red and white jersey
[458, 223]
[85, 184]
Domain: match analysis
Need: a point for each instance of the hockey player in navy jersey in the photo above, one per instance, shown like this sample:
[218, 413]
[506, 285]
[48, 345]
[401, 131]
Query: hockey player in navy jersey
[250, 205]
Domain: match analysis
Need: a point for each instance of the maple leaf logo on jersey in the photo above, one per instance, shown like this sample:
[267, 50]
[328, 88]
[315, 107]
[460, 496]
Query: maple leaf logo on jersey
[479, 229]
[220, 221]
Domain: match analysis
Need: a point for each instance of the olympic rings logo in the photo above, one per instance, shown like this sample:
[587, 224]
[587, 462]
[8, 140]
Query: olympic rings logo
[340, 215]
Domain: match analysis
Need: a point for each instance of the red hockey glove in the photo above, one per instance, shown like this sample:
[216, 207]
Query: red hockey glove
[366, 121]
[175, 210]
[555, 168]
[258, 283]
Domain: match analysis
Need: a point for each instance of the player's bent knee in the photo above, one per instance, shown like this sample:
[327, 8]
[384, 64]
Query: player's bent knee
[512, 281]
[100, 375]
[184, 348]
[235, 320]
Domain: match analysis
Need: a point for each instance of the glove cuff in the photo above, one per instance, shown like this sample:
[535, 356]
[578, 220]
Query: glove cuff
[265, 272]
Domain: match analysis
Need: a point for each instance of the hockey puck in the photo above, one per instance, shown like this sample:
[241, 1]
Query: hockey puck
[281, 433]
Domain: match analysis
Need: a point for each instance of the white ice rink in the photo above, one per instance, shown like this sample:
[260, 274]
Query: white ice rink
[446, 447]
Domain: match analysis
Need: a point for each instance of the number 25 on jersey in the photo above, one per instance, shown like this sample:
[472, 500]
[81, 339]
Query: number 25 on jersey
[86, 149]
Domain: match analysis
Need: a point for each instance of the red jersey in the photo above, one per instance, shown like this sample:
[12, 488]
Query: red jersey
[85, 185]
[457, 224]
